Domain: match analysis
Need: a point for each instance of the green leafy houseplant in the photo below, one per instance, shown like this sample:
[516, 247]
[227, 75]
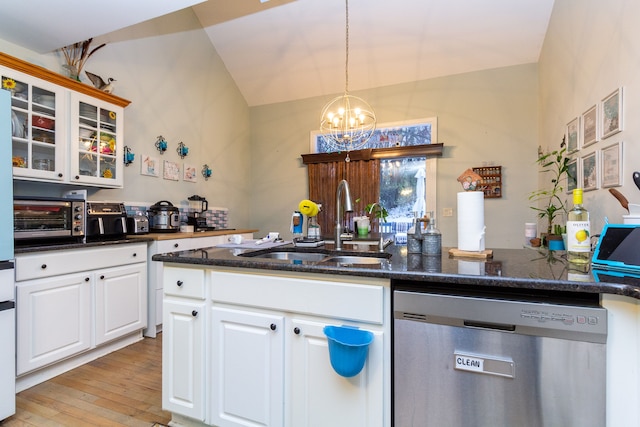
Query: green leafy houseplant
[556, 164]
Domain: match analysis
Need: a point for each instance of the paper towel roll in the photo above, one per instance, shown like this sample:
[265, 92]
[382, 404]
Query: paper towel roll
[471, 227]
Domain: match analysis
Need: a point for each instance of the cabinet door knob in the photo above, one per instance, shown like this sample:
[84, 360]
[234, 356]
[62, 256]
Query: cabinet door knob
[77, 176]
[296, 330]
[135, 254]
[175, 245]
[86, 279]
[194, 313]
[179, 282]
[43, 266]
[273, 326]
[102, 277]
[59, 175]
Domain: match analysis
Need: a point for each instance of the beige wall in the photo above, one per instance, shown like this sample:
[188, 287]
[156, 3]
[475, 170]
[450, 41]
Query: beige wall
[178, 88]
[483, 117]
[591, 48]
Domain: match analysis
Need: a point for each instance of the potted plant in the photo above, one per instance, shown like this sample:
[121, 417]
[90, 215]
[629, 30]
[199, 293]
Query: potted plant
[557, 165]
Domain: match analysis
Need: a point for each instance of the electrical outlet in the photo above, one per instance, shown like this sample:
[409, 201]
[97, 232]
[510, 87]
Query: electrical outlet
[447, 212]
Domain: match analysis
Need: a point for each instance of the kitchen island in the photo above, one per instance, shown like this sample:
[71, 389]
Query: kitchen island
[250, 283]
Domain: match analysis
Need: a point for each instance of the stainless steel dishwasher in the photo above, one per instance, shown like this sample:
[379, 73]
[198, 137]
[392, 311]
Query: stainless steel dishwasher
[470, 359]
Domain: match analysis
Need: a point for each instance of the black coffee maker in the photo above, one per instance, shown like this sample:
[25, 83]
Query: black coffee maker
[197, 206]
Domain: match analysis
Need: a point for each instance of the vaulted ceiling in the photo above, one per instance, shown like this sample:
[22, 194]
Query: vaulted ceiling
[281, 50]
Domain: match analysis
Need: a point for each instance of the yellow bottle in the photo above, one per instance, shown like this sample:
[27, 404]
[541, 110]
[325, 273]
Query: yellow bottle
[578, 231]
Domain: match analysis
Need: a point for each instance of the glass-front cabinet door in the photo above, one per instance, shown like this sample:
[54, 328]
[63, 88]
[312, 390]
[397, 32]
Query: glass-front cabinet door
[37, 126]
[96, 142]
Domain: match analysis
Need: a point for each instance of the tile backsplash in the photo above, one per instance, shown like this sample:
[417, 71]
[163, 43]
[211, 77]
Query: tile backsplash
[216, 217]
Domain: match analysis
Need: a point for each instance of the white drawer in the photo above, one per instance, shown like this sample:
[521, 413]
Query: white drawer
[330, 298]
[55, 263]
[164, 246]
[184, 282]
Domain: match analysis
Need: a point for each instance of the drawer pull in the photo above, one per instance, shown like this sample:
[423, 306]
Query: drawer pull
[179, 283]
[296, 330]
[86, 279]
[102, 277]
[175, 245]
[135, 254]
[194, 313]
[43, 266]
[273, 326]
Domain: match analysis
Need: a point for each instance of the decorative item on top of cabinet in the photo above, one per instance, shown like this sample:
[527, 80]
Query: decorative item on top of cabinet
[206, 172]
[491, 182]
[161, 144]
[182, 150]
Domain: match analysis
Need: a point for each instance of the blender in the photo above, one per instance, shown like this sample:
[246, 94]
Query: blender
[197, 206]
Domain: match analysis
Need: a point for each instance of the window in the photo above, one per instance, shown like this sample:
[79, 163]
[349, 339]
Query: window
[406, 181]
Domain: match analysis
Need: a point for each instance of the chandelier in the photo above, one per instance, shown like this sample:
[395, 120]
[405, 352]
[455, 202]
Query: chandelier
[347, 122]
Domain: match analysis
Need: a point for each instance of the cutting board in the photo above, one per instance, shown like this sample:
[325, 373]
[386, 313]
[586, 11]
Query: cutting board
[487, 253]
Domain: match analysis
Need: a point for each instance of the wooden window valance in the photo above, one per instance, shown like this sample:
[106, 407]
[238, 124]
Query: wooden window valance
[376, 153]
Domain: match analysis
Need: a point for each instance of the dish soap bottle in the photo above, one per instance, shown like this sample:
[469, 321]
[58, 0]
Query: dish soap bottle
[578, 231]
[432, 238]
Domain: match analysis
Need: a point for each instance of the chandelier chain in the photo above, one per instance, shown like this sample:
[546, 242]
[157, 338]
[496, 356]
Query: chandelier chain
[346, 60]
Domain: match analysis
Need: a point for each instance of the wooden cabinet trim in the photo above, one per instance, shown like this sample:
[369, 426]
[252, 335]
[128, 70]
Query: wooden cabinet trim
[60, 80]
[375, 153]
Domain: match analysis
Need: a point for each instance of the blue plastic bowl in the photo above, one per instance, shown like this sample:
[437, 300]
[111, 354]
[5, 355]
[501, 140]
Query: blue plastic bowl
[348, 348]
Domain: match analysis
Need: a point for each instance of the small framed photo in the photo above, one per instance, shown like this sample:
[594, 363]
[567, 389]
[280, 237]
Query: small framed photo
[612, 113]
[572, 136]
[612, 165]
[171, 171]
[590, 171]
[189, 173]
[149, 166]
[590, 126]
[572, 175]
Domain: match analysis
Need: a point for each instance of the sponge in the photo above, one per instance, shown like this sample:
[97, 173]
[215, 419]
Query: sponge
[308, 208]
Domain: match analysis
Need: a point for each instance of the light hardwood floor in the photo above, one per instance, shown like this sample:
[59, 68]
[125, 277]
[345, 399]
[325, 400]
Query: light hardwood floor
[123, 388]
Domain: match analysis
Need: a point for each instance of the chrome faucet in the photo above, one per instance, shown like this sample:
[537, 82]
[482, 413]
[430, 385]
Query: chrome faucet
[343, 187]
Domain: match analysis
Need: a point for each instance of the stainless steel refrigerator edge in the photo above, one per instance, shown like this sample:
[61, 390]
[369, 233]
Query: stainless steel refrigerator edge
[7, 284]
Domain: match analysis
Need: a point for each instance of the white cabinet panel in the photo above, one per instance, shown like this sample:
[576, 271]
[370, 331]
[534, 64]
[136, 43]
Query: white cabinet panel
[120, 301]
[247, 359]
[315, 386]
[183, 369]
[53, 320]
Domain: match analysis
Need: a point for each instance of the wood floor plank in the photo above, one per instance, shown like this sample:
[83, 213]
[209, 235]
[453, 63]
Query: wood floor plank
[123, 388]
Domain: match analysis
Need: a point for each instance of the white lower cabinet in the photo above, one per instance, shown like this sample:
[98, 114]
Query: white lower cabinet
[183, 358]
[69, 302]
[247, 361]
[318, 395]
[53, 320]
[266, 358]
[120, 302]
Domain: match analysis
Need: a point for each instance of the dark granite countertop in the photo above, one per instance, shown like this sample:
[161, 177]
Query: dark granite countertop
[66, 246]
[529, 269]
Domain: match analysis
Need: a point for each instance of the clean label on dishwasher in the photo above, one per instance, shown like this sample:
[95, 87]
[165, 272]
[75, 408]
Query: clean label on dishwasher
[484, 365]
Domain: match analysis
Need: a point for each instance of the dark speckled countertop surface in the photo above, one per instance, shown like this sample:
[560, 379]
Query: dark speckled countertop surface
[524, 269]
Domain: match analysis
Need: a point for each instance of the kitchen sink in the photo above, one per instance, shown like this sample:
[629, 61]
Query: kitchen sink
[346, 260]
[323, 257]
[291, 256]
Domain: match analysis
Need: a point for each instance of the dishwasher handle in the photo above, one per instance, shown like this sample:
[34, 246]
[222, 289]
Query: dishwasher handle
[488, 325]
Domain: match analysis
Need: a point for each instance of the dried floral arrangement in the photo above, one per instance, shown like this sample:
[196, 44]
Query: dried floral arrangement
[76, 56]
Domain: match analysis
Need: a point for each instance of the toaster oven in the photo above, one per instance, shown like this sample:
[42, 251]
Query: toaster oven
[44, 219]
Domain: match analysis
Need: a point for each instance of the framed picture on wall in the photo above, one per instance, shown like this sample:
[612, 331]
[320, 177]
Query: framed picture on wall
[189, 173]
[572, 136]
[612, 113]
[171, 171]
[590, 171]
[572, 175]
[590, 126]
[149, 165]
[612, 165]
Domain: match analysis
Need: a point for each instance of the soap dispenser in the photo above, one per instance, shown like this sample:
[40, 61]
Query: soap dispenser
[432, 238]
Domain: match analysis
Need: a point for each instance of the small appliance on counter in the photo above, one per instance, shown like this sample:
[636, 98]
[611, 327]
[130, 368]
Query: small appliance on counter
[138, 223]
[164, 217]
[48, 220]
[197, 206]
[106, 221]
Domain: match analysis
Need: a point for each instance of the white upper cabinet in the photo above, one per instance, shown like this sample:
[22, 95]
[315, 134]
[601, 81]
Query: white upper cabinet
[63, 130]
